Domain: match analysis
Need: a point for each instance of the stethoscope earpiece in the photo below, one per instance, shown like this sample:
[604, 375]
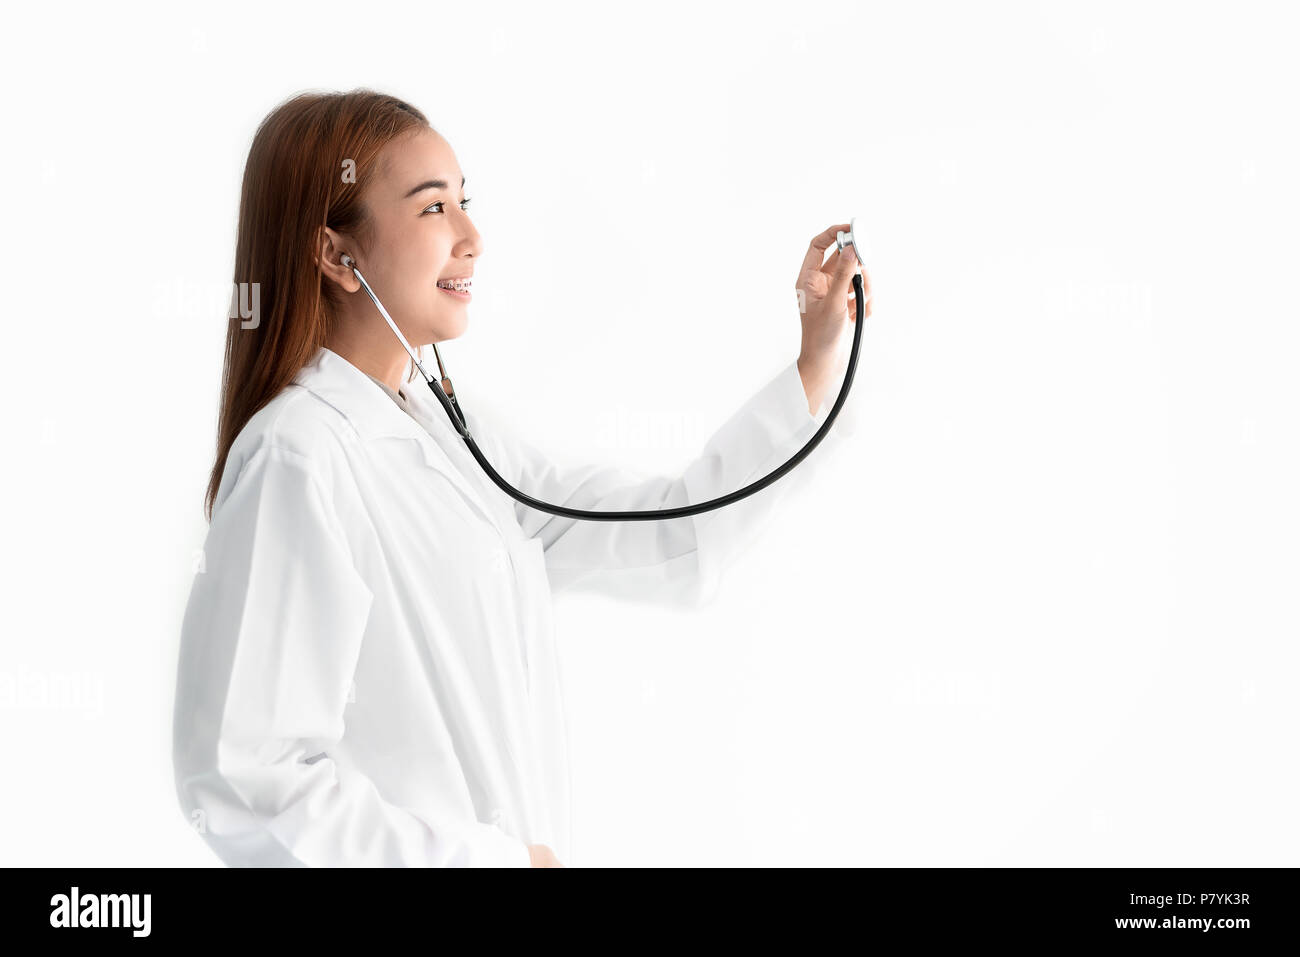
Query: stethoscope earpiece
[446, 395]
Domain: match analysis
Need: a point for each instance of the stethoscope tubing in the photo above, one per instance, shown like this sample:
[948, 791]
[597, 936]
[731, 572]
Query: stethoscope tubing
[442, 389]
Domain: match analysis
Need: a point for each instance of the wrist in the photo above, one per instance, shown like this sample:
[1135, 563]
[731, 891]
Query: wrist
[813, 375]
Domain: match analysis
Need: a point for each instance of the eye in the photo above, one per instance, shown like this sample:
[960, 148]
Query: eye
[464, 204]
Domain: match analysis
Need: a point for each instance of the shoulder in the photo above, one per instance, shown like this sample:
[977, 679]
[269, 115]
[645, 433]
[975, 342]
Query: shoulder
[296, 429]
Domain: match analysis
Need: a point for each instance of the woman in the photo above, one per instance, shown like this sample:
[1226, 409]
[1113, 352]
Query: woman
[368, 672]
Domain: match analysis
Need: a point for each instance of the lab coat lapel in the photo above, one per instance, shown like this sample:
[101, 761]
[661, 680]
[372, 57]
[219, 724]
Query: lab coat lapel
[375, 416]
[449, 446]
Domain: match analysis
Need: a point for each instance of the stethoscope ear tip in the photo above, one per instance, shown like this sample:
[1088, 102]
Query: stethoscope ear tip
[348, 261]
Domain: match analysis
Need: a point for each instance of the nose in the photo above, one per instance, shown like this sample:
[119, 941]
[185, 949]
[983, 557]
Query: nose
[471, 243]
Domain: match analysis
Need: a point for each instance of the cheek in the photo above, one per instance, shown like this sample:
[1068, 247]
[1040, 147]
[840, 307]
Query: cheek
[416, 274]
[410, 246]
[414, 259]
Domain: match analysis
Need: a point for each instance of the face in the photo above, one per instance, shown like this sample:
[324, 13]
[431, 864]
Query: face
[421, 234]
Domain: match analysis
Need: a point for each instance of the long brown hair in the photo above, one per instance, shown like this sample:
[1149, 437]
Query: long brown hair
[306, 167]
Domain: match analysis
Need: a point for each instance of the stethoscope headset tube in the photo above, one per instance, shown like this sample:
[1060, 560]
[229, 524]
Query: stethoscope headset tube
[442, 388]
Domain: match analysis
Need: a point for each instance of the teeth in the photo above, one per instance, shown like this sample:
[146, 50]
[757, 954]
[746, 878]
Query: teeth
[460, 285]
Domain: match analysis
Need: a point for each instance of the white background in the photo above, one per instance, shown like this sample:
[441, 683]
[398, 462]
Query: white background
[1040, 609]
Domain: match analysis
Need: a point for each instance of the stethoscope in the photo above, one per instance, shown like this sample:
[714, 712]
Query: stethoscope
[447, 396]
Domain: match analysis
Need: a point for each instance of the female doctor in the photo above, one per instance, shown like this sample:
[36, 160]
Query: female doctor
[368, 670]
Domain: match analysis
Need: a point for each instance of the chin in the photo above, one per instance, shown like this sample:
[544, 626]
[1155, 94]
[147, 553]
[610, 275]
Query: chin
[450, 329]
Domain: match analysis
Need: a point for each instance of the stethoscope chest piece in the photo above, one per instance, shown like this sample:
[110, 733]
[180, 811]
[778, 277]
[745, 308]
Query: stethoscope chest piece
[850, 238]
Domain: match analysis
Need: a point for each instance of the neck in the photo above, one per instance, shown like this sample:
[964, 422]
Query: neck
[386, 362]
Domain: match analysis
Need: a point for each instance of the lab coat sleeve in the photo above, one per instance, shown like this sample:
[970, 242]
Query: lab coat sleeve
[271, 636]
[678, 561]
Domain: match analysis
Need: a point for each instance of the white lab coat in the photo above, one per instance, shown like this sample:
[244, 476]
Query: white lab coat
[368, 671]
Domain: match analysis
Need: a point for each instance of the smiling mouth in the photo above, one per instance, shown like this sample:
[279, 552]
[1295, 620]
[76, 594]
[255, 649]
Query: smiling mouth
[456, 285]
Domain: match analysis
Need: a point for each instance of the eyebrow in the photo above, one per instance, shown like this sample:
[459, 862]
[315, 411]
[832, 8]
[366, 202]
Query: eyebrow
[431, 184]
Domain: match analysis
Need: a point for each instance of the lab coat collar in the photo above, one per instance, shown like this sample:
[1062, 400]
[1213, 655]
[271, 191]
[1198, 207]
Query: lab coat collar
[355, 396]
[374, 415]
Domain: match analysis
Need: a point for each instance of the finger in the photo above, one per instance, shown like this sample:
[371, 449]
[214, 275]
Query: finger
[866, 306]
[817, 248]
[853, 309]
[866, 286]
[832, 264]
[844, 270]
[853, 305]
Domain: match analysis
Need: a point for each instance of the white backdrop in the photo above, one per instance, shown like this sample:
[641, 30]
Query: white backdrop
[1038, 610]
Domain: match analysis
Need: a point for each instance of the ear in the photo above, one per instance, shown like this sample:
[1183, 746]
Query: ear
[329, 254]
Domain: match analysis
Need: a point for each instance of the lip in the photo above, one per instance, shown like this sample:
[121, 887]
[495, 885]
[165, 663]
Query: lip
[464, 296]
